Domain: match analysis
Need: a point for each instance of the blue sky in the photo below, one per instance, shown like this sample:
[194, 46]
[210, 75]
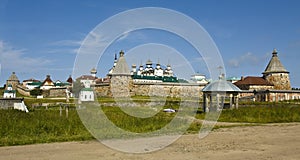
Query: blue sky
[42, 37]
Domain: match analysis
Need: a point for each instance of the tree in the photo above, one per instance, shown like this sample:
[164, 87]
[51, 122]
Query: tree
[77, 86]
[36, 92]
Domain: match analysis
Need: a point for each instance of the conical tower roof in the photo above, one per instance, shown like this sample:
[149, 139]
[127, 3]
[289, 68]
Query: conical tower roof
[13, 77]
[121, 67]
[275, 66]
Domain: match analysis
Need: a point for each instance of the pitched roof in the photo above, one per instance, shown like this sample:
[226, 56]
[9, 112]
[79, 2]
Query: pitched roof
[253, 81]
[87, 89]
[35, 83]
[70, 80]
[48, 80]
[86, 77]
[10, 91]
[31, 80]
[275, 66]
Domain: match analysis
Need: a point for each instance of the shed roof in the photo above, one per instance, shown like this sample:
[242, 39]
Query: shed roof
[221, 86]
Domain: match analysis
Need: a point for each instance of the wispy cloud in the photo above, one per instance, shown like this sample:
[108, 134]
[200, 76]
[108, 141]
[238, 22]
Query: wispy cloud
[246, 59]
[67, 43]
[64, 46]
[17, 60]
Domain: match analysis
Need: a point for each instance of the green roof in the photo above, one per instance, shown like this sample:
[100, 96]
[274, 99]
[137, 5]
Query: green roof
[35, 83]
[86, 89]
[62, 84]
[10, 91]
[164, 79]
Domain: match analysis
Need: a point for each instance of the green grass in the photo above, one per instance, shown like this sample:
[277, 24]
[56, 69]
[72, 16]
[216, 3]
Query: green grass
[40, 126]
[29, 101]
[43, 126]
[135, 124]
[271, 114]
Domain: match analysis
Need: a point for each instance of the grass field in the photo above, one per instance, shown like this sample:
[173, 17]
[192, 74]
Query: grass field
[43, 126]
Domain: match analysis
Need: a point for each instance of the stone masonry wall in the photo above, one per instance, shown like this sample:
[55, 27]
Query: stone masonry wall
[6, 103]
[57, 92]
[122, 86]
[281, 81]
[23, 91]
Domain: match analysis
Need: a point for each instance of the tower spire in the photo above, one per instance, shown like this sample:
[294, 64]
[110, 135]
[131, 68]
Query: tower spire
[274, 52]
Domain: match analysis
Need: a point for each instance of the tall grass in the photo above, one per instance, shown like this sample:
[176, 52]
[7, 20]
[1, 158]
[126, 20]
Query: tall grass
[259, 114]
[40, 126]
[136, 124]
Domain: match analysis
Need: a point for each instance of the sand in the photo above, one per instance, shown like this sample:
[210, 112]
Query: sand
[272, 141]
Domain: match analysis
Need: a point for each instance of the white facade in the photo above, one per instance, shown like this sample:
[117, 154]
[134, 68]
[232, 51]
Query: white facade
[9, 92]
[199, 78]
[158, 71]
[86, 94]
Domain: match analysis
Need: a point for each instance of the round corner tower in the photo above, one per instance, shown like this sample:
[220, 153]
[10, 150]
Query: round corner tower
[276, 74]
[121, 81]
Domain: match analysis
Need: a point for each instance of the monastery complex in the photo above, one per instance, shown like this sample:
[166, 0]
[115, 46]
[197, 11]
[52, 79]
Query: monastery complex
[158, 80]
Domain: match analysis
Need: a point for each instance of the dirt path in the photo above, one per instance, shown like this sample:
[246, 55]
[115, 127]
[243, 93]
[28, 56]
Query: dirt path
[276, 141]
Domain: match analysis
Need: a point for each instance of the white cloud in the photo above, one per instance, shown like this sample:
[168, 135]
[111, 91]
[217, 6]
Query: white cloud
[17, 60]
[247, 58]
[66, 43]
[64, 47]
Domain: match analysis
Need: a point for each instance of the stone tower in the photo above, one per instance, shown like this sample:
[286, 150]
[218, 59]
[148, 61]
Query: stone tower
[121, 81]
[13, 80]
[276, 74]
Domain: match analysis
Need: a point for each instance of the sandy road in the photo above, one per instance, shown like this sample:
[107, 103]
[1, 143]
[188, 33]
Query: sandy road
[276, 141]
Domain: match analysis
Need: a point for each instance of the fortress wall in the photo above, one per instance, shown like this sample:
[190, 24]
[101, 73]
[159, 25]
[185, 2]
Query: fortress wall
[128, 88]
[102, 90]
[6, 103]
[56, 92]
[23, 91]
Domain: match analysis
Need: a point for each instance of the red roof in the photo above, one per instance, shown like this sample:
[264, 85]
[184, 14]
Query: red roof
[253, 81]
[86, 77]
[102, 80]
[70, 80]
